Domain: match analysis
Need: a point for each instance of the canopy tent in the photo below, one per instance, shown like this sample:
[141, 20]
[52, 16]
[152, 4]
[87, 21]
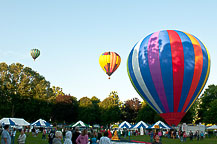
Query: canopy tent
[14, 122]
[212, 127]
[125, 124]
[80, 124]
[159, 125]
[7, 121]
[140, 124]
[41, 123]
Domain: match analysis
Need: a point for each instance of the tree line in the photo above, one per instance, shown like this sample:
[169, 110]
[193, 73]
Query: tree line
[24, 93]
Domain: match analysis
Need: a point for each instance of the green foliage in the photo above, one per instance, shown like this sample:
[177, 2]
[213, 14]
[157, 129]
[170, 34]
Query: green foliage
[27, 94]
[207, 106]
[65, 109]
[130, 110]
[147, 114]
[110, 110]
[211, 115]
[88, 111]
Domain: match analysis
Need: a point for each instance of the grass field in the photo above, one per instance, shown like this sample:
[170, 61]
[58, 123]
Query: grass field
[175, 141]
[38, 140]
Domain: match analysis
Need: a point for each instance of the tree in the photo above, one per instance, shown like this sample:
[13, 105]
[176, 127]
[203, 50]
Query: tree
[110, 110]
[87, 111]
[147, 114]
[206, 106]
[211, 115]
[24, 81]
[65, 109]
[130, 110]
[57, 91]
[19, 83]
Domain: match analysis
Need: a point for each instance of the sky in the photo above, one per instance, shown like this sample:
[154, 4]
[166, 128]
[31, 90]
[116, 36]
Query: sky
[72, 34]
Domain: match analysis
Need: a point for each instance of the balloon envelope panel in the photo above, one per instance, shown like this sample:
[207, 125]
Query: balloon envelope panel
[169, 70]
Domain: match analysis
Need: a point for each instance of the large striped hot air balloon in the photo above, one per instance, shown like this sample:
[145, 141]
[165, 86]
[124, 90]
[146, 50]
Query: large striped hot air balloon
[109, 62]
[169, 69]
[34, 53]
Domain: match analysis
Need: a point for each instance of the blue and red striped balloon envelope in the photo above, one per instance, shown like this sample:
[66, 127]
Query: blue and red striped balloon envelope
[169, 69]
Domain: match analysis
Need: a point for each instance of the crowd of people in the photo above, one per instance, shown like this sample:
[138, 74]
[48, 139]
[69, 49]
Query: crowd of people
[8, 137]
[70, 136]
[174, 134]
[75, 136]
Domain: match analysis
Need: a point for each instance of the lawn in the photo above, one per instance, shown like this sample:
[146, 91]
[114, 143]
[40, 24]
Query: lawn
[146, 138]
[33, 140]
[38, 140]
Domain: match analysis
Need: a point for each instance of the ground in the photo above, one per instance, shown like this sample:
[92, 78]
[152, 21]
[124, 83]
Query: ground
[38, 140]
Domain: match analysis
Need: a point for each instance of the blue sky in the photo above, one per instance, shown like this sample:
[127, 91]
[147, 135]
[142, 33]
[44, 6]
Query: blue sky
[71, 35]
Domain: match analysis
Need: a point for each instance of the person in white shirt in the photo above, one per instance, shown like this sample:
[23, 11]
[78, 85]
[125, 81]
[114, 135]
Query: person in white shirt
[22, 137]
[105, 139]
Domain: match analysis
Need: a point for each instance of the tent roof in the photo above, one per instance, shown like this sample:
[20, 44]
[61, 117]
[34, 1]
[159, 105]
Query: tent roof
[212, 127]
[125, 124]
[161, 125]
[41, 123]
[80, 124]
[14, 121]
[140, 124]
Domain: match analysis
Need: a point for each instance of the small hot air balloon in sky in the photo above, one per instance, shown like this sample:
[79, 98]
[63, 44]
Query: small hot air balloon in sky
[169, 69]
[34, 53]
[109, 61]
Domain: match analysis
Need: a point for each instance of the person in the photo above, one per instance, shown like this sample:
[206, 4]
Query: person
[33, 131]
[22, 138]
[197, 135]
[201, 135]
[191, 135]
[51, 136]
[181, 136]
[99, 136]
[93, 140]
[13, 134]
[68, 138]
[64, 134]
[44, 134]
[151, 135]
[157, 140]
[119, 134]
[75, 135]
[5, 136]
[109, 134]
[82, 138]
[129, 134]
[184, 136]
[105, 139]
[160, 134]
[174, 134]
[58, 137]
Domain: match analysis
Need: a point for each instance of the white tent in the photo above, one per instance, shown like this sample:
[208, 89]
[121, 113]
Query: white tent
[80, 124]
[140, 124]
[41, 123]
[212, 127]
[14, 121]
[125, 124]
[160, 125]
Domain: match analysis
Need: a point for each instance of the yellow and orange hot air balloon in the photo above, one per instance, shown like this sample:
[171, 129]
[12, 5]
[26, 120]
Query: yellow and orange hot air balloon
[109, 61]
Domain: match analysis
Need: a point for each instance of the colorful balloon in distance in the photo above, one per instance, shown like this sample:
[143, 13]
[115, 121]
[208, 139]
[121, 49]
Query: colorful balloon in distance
[109, 62]
[34, 53]
[169, 69]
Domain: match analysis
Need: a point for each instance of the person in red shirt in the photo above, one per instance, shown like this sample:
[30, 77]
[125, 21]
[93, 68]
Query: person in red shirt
[109, 134]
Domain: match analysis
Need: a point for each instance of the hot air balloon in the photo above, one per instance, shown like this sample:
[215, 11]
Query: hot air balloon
[34, 53]
[169, 69]
[109, 61]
